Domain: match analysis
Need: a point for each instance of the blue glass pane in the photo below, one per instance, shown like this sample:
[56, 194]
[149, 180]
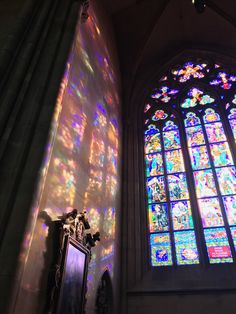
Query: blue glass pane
[160, 249]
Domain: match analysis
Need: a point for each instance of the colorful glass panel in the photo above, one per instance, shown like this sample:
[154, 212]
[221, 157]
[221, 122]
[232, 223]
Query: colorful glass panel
[174, 161]
[227, 180]
[171, 140]
[199, 157]
[188, 71]
[159, 115]
[156, 189]
[152, 140]
[178, 188]
[211, 116]
[160, 249]
[233, 233]
[197, 97]
[210, 212]
[230, 208]
[233, 127]
[191, 119]
[170, 125]
[224, 80]
[181, 215]
[215, 132]
[195, 136]
[147, 107]
[221, 154]
[204, 183]
[164, 94]
[232, 114]
[186, 248]
[158, 217]
[154, 165]
[218, 248]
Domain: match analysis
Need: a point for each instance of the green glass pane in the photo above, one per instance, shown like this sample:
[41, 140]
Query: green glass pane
[171, 139]
[195, 136]
[174, 161]
[218, 248]
[152, 143]
[233, 127]
[233, 233]
[160, 249]
[230, 208]
[158, 217]
[186, 248]
[221, 154]
[210, 212]
[178, 188]
[154, 165]
[156, 189]
[199, 157]
[204, 183]
[181, 215]
[227, 180]
[215, 132]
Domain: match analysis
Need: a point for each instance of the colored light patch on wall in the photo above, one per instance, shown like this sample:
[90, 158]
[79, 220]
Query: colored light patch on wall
[227, 180]
[154, 165]
[186, 248]
[218, 248]
[171, 140]
[204, 183]
[178, 188]
[230, 208]
[199, 157]
[181, 215]
[233, 233]
[160, 249]
[191, 119]
[112, 155]
[152, 143]
[97, 151]
[158, 217]
[195, 136]
[233, 127]
[111, 186]
[156, 189]
[210, 212]
[95, 181]
[221, 154]
[215, 132]
[174, 161]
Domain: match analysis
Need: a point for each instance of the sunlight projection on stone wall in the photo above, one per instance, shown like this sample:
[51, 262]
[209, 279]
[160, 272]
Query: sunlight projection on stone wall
[81, 168]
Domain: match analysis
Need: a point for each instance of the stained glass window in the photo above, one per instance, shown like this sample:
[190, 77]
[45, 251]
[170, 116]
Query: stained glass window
[190, 165]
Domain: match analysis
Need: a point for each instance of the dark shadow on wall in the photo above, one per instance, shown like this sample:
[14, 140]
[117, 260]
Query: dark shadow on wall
[104, 298]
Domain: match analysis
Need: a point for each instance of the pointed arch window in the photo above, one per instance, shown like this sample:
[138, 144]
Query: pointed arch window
[189, 143]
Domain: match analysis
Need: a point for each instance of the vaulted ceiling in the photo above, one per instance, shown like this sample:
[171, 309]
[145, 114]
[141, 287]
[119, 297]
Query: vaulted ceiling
[150, 32]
